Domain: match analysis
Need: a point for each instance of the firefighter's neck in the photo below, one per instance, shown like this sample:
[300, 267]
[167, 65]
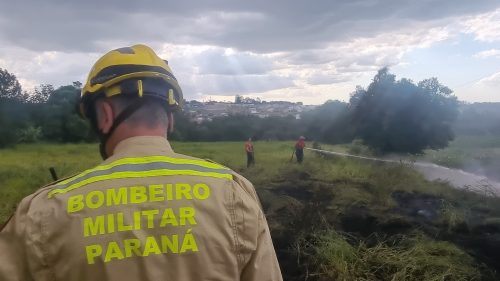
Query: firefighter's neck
[125, 131]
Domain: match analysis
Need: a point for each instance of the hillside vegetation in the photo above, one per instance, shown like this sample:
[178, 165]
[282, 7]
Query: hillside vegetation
[331, 218]
[391, 116]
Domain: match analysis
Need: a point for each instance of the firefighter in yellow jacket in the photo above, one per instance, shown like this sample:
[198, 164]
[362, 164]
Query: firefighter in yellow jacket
[146, 212]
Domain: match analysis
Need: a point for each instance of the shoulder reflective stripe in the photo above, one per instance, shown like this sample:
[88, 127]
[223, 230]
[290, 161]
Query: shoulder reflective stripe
[148, 166]
[139, 174]
[142, 167]
[144, 160]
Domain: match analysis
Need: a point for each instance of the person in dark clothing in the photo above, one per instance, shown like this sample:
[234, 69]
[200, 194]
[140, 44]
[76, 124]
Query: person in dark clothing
[249, 151]
[299, 149]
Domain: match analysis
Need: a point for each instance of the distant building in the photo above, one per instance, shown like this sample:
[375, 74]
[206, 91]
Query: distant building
[204, 111]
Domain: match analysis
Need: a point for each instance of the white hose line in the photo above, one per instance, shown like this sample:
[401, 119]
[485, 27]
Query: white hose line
[456, 177]
[354, 156]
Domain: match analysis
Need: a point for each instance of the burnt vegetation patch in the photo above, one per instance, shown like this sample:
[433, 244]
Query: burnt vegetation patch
[354, 229]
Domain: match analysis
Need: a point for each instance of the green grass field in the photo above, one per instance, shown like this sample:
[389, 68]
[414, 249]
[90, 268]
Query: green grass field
[331, 218]
[25, 168]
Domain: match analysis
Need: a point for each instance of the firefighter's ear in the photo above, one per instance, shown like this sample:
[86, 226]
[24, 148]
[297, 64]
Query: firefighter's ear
[105, 115]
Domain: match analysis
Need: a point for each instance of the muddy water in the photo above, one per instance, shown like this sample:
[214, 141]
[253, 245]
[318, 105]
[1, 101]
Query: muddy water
[456, 177]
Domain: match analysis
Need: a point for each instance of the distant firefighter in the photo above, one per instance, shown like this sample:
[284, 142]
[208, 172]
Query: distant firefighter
[299, 149]
[249, 151]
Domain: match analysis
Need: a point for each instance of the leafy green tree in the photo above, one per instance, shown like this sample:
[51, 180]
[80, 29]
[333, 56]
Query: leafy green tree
[30, 134]
[7, 126]
[10, 88]
[479, 119]
[76, 129]
[12, 117]
[238, 99]
[400, 116]
[61, 121]
[77, 84]
[329, 122]
[41, 93]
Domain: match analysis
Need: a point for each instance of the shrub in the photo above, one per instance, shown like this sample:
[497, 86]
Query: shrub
[30, 134]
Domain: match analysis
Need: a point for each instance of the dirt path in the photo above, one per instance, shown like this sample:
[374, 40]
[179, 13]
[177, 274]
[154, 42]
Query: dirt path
[456, 177]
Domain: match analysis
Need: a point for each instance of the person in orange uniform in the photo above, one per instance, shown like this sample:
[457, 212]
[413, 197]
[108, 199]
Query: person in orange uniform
[145, 213]
[249, 151]
[299, 149]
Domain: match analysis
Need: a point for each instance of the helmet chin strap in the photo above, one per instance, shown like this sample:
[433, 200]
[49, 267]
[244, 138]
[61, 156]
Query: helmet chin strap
[170, 116]
[104, 137]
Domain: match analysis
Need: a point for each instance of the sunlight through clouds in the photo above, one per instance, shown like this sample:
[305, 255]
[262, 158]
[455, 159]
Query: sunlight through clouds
[316, 52]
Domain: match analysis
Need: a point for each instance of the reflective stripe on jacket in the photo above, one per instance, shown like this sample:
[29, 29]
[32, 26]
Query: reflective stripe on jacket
[146, 213]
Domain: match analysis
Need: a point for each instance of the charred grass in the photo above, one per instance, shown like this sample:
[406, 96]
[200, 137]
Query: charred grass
[340, 219]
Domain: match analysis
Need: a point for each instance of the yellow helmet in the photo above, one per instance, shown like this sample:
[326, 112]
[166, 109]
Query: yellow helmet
[135, 70]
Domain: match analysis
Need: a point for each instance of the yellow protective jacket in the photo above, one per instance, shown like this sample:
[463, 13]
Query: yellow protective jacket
[146, 213]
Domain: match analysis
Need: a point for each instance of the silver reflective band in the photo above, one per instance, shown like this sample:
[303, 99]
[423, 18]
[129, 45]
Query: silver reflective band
[145, 167]
[142, 167]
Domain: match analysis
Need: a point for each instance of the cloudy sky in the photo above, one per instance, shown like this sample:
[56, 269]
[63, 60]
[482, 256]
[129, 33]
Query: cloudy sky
[308, 51]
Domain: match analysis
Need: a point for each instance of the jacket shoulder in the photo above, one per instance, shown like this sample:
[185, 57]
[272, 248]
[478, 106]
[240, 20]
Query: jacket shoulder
[50, 184]
[30, 204]
[38, 199]
[244, 183]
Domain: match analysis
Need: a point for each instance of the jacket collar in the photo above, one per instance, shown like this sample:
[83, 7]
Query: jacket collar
[143, 145]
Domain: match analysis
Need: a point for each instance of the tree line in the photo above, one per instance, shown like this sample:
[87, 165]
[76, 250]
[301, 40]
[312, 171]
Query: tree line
[389, 115]
[44, 114]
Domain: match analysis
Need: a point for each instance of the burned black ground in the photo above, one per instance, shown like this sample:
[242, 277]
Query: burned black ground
[303, 204]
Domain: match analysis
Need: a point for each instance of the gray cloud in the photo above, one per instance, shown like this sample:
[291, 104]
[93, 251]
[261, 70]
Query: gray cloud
[223, 47]
[225, 85]
[258, 26]
[484, 90]
[217, 61]
[325, 79]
